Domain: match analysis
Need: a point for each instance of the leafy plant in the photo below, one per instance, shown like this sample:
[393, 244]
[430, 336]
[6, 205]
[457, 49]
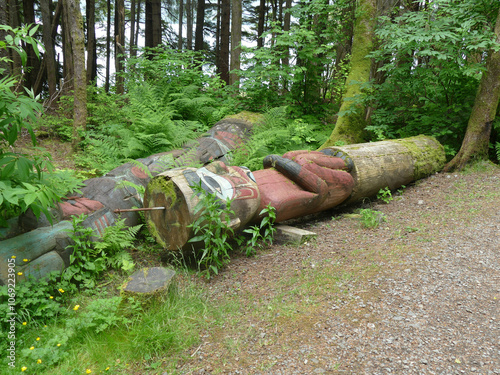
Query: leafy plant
[212, 227]
[371, 218]
[89, 259]
[263, 233]
[385, 195]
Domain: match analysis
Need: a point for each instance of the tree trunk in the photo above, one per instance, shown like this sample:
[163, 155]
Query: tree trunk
[181, 25]
[189, 24]
[260, 26]
[119, 44]
[4, 54]
[48, 41]
[477, 136]
[153, 23]
[132, 27]
[108, 46]
[91, 43]
[200, 23]
[32, 62]
[351, 119]
[68, 63]
[235, 40]
[224, 40]
[16, 64]
[77, 42]
[137, 28]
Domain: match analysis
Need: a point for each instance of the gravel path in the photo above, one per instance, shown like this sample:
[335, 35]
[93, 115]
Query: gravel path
[418, 295]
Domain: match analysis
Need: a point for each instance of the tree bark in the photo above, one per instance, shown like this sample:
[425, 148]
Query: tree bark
[189, 24]
[351, 120]
[200, 24]
[48, 41]
[119, 44]
[224, 40]
[261, 23]
[108, 45]
[236, 19]
[477, 136]
[181, 24]
[16, 64]
[32, 62]
[77, 42]
[4, 54]
[132, 27]
[153, 23]
[91, 43]
[68, 63]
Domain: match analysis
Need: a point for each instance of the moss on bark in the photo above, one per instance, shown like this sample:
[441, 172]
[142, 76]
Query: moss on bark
[351, 121]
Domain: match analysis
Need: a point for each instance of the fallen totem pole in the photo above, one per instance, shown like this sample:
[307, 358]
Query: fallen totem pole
[295, 184]
[44, 246]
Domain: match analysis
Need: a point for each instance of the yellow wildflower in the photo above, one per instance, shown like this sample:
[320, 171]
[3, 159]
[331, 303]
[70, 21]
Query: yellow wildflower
[31, 348]
[88, 371]
[76, 307]
[25, 260]
[19, 273]
[38, 339]
[24, 323]
[13, 257]
[61, 290]
[24, 368]
[39, 361]
[107, 368]
[58, 344]
[51, 297]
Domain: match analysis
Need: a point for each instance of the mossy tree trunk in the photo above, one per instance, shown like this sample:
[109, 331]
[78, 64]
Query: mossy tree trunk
[77, 47]
[351, 120]
[477, 136]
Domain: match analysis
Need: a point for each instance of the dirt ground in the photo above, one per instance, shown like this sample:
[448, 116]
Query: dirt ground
[419, 294]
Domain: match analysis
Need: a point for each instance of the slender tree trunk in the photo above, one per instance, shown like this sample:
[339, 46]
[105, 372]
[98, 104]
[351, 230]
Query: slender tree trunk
[217, 38]
[224, 42]
[200, 23]
[77, 42]
[119, 44]
[108, 46]
[181, 24]
[32, 62]
[477, 136]
[261, 23]
[91, 43]
[48, 70]
[137, 28]
[351, 121]
[4, 55]
[236, 20]
[132, 27]
[189, 24]
[68, 63]
[16, 64]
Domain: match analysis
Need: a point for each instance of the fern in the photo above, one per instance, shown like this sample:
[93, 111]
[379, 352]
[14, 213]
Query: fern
[114, 241]
[497, 148]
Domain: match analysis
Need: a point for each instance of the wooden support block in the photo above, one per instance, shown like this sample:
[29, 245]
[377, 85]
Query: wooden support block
[287, 234]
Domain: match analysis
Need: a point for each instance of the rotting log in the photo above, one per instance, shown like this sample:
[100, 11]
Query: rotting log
[295, 184]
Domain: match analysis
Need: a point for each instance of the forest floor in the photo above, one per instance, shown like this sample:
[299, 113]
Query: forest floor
[419, 294]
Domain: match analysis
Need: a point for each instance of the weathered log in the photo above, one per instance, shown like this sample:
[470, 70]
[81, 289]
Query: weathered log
[390, 163]
[297, 184]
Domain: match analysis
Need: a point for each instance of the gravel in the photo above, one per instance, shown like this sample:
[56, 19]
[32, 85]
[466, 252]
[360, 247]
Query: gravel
[418, 295]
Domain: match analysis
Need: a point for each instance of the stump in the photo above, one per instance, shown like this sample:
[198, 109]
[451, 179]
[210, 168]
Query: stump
[148, 283]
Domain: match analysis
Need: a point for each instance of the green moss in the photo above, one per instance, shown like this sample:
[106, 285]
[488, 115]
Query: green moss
[429, 157]
[163, 185]
[250, 117]
[154, 232]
